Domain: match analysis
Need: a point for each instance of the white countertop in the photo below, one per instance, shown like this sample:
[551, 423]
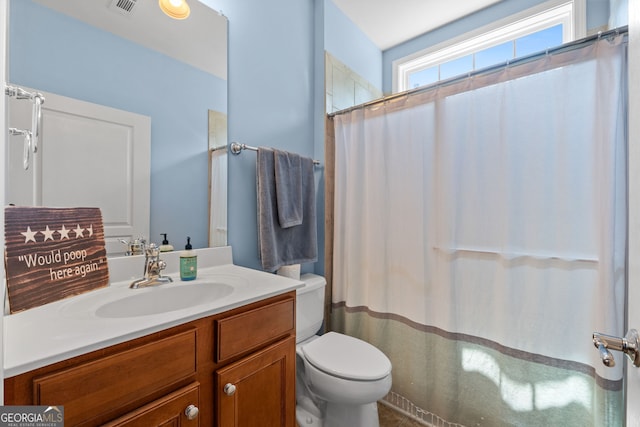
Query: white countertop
[70, 327]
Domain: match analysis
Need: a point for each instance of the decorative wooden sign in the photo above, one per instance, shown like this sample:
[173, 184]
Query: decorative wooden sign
[53, 253]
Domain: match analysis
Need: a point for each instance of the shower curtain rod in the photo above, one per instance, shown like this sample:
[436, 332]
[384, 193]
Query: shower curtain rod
[567, 47]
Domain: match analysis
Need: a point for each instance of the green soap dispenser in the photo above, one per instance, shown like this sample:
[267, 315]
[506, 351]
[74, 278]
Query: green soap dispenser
[188, 262]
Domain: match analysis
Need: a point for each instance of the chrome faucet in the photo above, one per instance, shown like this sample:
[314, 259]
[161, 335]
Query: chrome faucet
[629, 345]
[135, 246]
[153, 267]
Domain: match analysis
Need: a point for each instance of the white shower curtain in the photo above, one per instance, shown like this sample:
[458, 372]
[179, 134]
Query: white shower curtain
[480, 239]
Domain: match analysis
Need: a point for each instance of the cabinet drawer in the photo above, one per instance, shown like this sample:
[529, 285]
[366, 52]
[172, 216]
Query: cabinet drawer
[254, 329]
[95, 388]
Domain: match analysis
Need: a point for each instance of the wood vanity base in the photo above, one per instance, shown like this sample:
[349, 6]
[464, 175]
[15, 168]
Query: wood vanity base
[237, 368]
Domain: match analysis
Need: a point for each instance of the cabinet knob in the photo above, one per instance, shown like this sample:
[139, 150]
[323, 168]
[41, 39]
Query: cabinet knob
[229, 389]
[191, 412]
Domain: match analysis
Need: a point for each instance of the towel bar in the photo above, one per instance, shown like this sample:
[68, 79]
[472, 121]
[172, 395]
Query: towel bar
[236, 148]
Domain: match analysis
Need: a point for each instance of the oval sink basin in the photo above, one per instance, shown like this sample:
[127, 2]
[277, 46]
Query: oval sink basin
[164, 299]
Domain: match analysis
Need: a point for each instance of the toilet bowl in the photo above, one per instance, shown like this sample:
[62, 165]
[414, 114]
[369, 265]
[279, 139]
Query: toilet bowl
[339, 378]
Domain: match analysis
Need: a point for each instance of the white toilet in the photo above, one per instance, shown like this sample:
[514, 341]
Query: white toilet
[339, 378]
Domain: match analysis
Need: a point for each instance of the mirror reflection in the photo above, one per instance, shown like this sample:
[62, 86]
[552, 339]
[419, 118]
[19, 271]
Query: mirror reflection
[160, 77]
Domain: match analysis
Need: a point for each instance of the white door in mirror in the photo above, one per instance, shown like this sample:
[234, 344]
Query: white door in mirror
[89, 155]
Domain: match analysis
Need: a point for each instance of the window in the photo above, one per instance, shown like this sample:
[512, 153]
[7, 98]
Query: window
[546, 25]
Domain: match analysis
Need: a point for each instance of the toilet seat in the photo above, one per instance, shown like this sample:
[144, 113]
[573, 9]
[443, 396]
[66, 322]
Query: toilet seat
[347, 357]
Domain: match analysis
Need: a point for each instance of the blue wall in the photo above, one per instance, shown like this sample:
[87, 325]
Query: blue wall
[70, 60]
[272, 80]
[351, 46]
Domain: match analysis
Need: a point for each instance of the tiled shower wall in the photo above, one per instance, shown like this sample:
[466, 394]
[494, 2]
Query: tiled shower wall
[344, 88]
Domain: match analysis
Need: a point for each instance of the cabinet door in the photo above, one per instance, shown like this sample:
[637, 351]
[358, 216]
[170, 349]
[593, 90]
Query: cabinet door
[259, 390]
[177, 409]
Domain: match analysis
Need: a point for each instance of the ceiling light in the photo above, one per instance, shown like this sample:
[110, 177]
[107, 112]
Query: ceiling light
[177, 9]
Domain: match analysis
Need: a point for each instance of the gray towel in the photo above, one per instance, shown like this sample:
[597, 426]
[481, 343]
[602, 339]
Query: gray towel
[284, 246]
[288, 175]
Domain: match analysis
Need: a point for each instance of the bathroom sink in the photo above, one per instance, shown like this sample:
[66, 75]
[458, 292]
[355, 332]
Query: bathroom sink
[164, 299]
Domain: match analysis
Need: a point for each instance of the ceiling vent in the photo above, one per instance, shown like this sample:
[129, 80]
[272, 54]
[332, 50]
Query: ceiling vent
[123, 7]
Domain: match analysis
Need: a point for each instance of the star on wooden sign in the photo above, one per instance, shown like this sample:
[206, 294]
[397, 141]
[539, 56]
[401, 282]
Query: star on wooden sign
[53, 253]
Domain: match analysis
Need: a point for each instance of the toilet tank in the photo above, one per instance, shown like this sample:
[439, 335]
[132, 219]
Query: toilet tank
[309, 306]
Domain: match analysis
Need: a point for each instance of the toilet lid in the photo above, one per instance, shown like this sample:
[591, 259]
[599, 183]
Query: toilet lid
[347, 357]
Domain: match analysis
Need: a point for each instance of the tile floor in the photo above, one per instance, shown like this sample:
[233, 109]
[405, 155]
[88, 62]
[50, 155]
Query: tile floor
[392, 418]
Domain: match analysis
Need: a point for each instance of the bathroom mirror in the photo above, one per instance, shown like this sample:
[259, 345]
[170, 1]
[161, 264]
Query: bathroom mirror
[127, 55]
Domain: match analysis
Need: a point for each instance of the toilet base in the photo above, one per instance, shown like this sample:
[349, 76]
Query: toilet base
[338, 415]
[305, 418]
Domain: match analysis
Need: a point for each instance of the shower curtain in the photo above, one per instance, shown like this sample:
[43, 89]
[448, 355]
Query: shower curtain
[479, 240]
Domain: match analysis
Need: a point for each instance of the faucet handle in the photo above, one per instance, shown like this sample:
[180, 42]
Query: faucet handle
[629, 345]
[135, 246]
[152, 250]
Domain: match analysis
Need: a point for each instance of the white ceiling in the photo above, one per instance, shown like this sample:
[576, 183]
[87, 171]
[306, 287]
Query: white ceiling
[200, 40]
[390, 22]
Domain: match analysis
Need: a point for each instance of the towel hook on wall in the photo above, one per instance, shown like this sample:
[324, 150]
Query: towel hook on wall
[31, 136]
[28, 143]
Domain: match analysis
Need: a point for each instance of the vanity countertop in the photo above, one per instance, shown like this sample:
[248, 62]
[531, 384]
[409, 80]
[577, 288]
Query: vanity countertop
[71, 327]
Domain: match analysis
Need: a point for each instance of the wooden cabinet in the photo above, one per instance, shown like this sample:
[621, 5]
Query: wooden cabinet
[256, 391]
[153, 380]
